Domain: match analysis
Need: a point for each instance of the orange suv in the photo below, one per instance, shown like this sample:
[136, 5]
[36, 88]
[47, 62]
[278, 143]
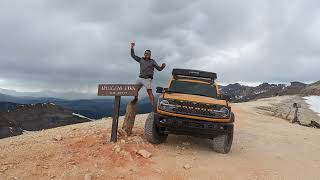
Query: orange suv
[192, 105]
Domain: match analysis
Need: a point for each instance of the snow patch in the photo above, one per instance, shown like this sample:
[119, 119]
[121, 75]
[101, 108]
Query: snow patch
[314, 102]
[25, 131]
[81, 116]
[260, 92]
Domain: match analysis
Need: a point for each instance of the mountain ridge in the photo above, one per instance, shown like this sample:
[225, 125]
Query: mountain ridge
[242, 93]
[35, 117]
[102, 107]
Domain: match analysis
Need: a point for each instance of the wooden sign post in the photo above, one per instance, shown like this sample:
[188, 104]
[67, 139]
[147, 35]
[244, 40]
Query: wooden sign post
[117, 90]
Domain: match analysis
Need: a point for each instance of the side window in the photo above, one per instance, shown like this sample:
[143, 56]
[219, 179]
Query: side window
[170, 83]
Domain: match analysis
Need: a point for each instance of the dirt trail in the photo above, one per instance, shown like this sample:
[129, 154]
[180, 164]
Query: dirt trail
[265, 147]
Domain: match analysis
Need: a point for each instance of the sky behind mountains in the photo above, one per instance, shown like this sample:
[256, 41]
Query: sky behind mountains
[75, 45]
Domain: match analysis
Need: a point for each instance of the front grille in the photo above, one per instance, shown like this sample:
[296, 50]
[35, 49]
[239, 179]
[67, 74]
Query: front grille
[196, 109]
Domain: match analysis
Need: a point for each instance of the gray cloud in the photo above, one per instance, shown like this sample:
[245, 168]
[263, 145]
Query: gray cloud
[74, 45]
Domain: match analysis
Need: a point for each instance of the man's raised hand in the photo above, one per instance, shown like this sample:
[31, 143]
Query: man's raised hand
[132, 45]
[163, 65]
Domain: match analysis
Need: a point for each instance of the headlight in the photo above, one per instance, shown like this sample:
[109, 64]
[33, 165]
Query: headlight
[164, 102]
[224, 112]
[165, 105]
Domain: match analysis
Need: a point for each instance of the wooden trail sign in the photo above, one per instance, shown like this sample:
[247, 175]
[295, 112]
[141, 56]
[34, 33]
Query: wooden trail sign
[117, 90]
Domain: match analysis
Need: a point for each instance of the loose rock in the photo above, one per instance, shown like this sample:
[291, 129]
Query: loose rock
[137, 139]
[58, 138]
[88, 177]
[187, 166]
[4, 168]
[116, 148]
[144, 153]
[124, 153]
[186, 143]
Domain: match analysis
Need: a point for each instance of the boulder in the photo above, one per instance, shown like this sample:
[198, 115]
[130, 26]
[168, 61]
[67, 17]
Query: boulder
[144, 153]
[187, 166]
[88, 177]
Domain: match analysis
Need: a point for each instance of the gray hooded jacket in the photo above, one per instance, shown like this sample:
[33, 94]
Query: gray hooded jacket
[146, 66]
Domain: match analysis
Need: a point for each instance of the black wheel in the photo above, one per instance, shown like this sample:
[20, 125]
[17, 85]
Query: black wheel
[151, 131]
[222, 143]
[232, 117]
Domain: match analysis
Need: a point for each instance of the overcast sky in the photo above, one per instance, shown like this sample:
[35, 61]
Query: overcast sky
[74, 45]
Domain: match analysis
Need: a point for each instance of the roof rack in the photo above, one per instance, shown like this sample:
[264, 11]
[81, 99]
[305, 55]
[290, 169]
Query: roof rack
[194, 74]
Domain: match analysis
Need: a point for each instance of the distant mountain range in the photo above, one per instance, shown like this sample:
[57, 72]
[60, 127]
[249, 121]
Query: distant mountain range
[92, 108]
[33, 117]
[70, 95]
[241, 93]
[97, 108]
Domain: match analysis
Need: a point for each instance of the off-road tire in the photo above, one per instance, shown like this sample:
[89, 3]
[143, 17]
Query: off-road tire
[232, 117]
[222, 143]
[151, 131]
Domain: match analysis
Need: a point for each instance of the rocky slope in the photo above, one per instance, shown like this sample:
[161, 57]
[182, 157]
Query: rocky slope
[92, 108]
[35, 117]
[264, 147]
[312, 89]
[7, 106]
[282, 107]
[240, 93]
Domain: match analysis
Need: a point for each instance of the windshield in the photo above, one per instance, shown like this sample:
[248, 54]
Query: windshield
[193, 88]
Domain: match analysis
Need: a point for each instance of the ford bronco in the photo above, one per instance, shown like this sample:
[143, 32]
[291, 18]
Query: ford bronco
[192, 105]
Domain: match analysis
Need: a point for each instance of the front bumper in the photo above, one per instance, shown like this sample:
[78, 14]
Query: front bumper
[185, 126]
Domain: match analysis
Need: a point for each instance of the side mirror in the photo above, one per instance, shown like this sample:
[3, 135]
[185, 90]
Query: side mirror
[159, 90]
[224, 97]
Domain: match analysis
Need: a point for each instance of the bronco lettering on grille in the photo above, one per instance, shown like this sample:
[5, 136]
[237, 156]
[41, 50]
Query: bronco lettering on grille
[196, 109]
